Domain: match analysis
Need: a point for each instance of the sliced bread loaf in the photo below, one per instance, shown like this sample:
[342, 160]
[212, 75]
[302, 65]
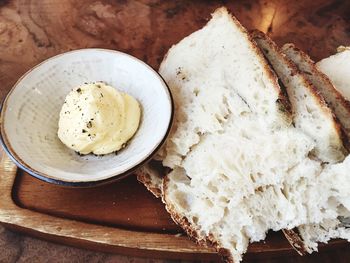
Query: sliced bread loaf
[311, 113]
[334, 99]
[239, 166]
[337, 68]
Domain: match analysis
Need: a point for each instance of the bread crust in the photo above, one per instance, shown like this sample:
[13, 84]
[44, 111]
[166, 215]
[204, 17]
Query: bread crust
[327, 111]
[146, 179]
[256, 34]
[283, 100]
[190, 230]
[340, 100]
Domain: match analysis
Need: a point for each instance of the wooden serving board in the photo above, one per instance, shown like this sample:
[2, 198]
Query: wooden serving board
[123, 217]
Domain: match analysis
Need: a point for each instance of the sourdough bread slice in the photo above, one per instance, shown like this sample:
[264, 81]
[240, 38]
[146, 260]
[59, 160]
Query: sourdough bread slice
[337, 68]
[222, 53]
[311, 113]
[334, 99]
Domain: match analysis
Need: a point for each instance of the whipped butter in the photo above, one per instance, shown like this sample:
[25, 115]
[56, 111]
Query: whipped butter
[97, 118]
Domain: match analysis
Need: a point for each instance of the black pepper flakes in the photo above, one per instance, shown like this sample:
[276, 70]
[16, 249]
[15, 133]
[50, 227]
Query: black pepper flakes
[178, 71]
[79, 90]
[89, 124]
[84, 131]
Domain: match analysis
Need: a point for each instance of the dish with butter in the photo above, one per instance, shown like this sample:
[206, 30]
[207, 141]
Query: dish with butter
[124, 102]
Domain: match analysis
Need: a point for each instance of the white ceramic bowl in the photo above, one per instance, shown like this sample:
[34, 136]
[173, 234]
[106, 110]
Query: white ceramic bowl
[30, 112]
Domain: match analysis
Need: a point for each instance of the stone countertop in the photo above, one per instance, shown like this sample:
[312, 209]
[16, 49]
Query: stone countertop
[31, 31]
[17, 248]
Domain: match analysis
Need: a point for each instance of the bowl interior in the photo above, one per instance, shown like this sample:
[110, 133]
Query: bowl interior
[31, 111]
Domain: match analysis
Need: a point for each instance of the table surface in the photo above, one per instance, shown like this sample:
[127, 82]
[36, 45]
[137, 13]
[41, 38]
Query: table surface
[31, 31]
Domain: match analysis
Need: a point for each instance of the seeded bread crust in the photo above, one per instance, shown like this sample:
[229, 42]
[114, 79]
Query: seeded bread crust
[334, 99]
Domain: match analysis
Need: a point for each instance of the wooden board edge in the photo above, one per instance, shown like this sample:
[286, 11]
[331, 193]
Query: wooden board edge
[109, 248]
[97, 237]
[108, 239]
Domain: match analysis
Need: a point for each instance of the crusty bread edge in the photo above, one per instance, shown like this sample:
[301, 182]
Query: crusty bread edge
[258, 34]
[283, 102]
[144, 177]
[183, 222]
[314, 91]
[314, 70]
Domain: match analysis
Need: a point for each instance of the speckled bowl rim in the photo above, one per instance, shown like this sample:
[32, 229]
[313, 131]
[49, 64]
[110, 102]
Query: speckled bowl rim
[113, 177]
